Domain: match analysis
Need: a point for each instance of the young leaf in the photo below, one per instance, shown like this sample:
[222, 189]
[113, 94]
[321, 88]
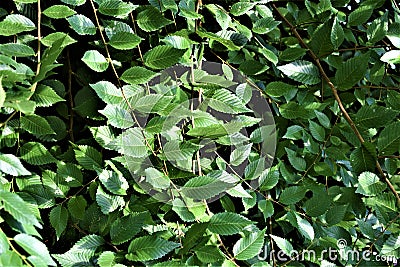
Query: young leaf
[241, 8]
[297, 162]
[45, 96]
[249, 246]
[58, 219]
[162, 56]
[292, 195]
[228, 223]
[283, 244]
[58, 12]
[82, 25]
[337, 34]
[94, 60]
[389, 139]
[125, 228]
[35, 248]
[149, 248]
[369, 184]
[11, 165]
[88, 157]
[351, 72]
[18, 208]
[36, 154]
[36, 125]
[124, 40]
[116, 8]
[15, 23]
[16, 50]
[108, 203]
[137, 75]
[151, 19]
[301, 71]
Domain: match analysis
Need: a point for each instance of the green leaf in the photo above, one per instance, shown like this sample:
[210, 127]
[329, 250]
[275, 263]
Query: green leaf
[81, 252]
[88, 157]
[375, 116]
[94, 60]
[301, 71]
[125, 228]
[292, 195]
[74, 2]
[11, 165]
[392, 57]
[318, 204]
[225, 101]
[389, 139]
[297, 162]
[58, 12]
[117, 116]
[369, 184]
[157, 179]
[362, 160]
[103, 135]
[240, 154]
[107, 259]
[294, 132]
[320, 42]
[360, 15]
[266, 207]
[36, 154]
[50, 39]
[249, 246]
[265, 25]
[305, 228]
[317, 131]
[277, 89]
[336, 214]
[209, 254]
[82, 25]
[210, 185]
[58, 219]
[151, 19]
[352, 71]
[284, 245]
[241, 8]
[114, 182]
[149, 248]
[134, 144]
[76, 207]
[137, 75]
[124, 40]
[36, 125]
[116, 8]
[16, 50]
[108, 92]
[15, 23]
[45, 96]
[228, 223]
[337, 34]
[18, 208]
[162, 56]
[377, 30]
[108, 203]
[35, 248]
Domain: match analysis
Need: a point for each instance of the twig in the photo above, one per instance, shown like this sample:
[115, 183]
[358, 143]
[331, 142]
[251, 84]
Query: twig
[39, 35]
[337, 98]
[71, 99]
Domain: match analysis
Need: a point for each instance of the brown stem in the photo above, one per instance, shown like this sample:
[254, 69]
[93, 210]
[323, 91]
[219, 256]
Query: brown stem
[337, 98]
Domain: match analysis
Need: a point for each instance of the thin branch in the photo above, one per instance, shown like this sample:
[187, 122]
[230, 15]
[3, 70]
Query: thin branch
[71, 98]
[337, 98]
[39, 35]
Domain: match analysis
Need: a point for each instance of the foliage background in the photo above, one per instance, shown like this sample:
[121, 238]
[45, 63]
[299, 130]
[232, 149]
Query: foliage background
[328, 68]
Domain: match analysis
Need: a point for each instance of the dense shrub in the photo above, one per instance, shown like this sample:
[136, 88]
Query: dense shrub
[107, 153]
